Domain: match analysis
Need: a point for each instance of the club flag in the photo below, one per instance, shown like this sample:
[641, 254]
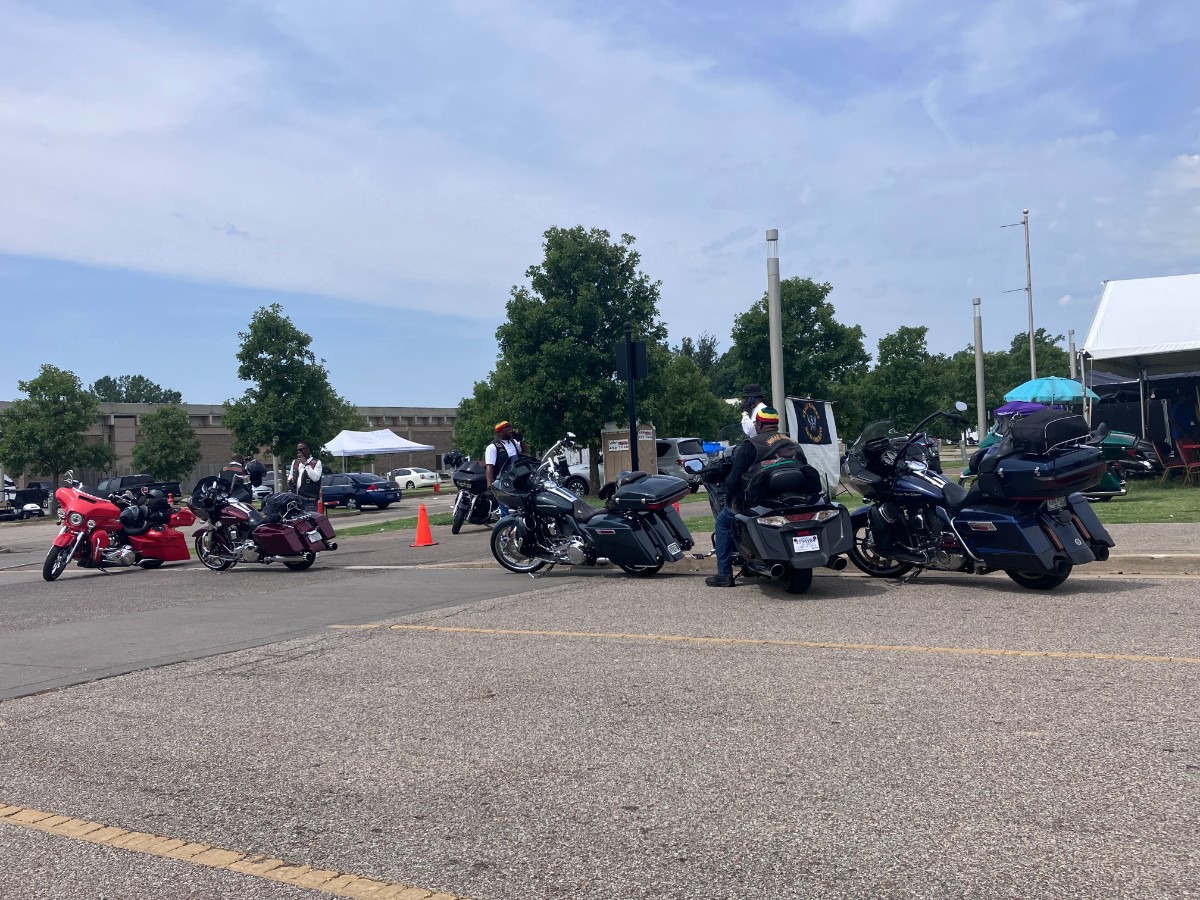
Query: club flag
[812, 421]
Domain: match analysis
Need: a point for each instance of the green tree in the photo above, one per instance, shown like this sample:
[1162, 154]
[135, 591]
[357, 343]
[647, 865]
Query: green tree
[290, 398]
[167, 446]
[681, 402]
[1004, 370]
[45, 433]
[474, 426]
[557, 360]
[133, 389]
[818, 351]
[907, 382]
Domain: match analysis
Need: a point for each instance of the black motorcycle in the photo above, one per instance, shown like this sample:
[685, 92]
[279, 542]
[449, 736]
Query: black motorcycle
[475, 504]
[638, 528]
[787, 525]
[1022, 515]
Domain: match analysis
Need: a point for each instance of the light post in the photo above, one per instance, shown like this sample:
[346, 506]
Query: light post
[775, 327]
[1028, 290]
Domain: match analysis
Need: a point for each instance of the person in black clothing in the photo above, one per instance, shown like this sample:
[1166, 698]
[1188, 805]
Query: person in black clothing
[767, 443]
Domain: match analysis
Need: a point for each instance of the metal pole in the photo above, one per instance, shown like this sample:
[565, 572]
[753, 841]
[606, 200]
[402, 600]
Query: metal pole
[980, 411]
[775, 326]
[631, 399]
[1071, 350]
[1029, 292]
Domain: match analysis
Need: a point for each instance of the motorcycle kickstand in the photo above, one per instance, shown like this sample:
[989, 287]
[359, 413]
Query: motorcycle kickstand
[543, 571]
[910, 575]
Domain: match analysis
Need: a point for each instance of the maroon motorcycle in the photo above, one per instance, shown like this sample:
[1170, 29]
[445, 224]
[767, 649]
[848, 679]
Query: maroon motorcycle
[237, 532]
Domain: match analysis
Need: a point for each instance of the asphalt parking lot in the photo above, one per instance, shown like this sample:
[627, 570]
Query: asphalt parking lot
[594, 735]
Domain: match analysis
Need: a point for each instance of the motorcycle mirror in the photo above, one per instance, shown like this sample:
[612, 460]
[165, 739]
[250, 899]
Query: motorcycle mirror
[960, 406]
[570, 434]
[693, 465]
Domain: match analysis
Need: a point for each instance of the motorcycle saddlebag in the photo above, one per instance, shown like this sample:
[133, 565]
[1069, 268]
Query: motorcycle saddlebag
[1040, 431]
[1023, 541]
[314, 531]
[1031, 476]
[651, 492]
[279, 539]
[620, 540]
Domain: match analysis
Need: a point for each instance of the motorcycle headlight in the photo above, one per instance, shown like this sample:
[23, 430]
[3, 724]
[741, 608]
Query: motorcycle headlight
[75, 519]
[91, 524]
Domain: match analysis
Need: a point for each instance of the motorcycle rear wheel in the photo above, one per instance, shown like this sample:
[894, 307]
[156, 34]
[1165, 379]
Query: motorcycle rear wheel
[209, 554]
[798, 581]
[300, 565]
[1038, 581]
[869, 561]
[460, 516]
[505, 543]
[640, 571]
[56, 561]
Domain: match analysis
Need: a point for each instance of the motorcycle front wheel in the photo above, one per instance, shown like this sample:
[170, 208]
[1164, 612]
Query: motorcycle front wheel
[460, 516]
[506, 545]
[208, 552]
[864, 555]
[56, 561]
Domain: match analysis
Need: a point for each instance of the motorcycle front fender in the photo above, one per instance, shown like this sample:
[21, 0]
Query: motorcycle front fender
[68, 538]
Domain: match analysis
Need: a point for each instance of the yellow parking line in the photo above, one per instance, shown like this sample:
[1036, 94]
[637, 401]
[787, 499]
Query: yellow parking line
[327, 881]
[814, 645]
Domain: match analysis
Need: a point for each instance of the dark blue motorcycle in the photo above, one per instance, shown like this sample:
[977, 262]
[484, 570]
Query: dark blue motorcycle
[1023, 515]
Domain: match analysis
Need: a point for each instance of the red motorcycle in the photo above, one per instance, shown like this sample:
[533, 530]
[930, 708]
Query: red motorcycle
[126, 529]
[237, 532]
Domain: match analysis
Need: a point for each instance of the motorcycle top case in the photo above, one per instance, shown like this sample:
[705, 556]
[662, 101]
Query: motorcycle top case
[651, 491]
[1036, 476]
[1040, 431]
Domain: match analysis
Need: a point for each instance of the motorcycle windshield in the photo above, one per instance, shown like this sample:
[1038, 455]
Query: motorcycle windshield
[881, 429]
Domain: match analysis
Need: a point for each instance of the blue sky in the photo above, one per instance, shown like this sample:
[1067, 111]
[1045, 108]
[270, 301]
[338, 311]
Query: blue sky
[386, 171]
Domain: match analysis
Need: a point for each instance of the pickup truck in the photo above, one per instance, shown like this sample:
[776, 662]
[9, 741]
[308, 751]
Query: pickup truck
[136, 483]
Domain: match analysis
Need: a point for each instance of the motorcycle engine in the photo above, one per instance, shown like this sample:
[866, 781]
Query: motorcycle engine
[247, 551]
[119, 556]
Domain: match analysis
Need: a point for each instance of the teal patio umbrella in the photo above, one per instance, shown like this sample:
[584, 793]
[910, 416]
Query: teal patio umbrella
[1051, 389]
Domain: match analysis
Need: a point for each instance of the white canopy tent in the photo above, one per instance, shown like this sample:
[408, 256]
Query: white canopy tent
[1144, 327]
[371, 443]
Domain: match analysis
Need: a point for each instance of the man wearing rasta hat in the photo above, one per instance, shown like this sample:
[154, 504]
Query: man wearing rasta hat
[752, 402]
[506, 445]
[767, 443]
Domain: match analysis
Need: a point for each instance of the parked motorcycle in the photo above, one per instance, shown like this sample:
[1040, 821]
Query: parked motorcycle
[548, 525]
[788, 526]
[474, 504]
[237, 532]
[125, 529]
[1023, 515]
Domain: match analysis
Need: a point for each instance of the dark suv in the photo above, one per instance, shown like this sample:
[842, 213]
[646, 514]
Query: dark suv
[351, 490]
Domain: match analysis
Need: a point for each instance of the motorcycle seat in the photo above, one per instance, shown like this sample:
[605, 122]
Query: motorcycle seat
[585, 512]
[956, 497]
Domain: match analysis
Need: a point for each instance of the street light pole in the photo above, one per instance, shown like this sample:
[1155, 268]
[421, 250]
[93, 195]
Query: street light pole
[1028, 291]
[775, 328]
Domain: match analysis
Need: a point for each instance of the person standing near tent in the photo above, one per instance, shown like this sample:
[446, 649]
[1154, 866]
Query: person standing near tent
[304, 476]
[1183, 419]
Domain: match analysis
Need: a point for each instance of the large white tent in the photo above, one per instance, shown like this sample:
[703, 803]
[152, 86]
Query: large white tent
[1146, 326]
[372, 443]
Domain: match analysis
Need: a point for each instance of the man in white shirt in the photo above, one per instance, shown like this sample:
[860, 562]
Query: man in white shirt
[752, 402]
[304, 476]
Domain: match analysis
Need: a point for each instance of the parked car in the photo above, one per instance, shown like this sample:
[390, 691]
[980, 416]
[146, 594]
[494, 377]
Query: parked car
[120, 483]
[674, 452]
[579, 480]
[350, 490]
[413, 477]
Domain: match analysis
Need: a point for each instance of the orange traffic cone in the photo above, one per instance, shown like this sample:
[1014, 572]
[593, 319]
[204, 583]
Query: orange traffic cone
[424, 536]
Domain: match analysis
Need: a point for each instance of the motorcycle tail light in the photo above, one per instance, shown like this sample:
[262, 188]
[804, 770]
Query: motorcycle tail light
[820, 515]
[75, 519]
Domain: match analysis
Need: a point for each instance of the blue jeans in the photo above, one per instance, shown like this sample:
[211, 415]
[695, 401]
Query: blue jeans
[724, 541]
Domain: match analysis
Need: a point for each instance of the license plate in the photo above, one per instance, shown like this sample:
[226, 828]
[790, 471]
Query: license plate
[805, 543]
[673, 548]
[1056, 503]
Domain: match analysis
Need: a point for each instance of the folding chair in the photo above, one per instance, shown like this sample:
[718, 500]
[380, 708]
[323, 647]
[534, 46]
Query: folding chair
[1190, 454]
[1169, 465]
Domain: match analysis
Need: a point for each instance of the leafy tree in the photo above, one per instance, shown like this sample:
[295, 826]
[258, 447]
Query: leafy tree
[167, 446]
[907, 383]
[717, 367]
[290, 398]
[818, 351]
[556, 367]
[474, 426]
[133, 389]
[681, 402]
[1004, 370]
[46, 432]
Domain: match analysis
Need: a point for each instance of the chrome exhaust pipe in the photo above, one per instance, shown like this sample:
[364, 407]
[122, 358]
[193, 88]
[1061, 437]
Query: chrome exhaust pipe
[837, 563]
[332, 545]
[777, 570]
